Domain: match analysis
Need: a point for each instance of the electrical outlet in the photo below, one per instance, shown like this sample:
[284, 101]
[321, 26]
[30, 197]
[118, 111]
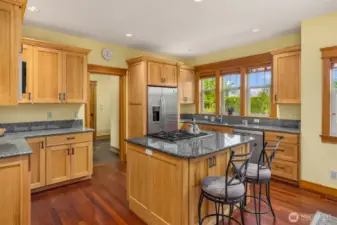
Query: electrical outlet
[333, 175]
[76, 115]
[49, 115]
[256, 120]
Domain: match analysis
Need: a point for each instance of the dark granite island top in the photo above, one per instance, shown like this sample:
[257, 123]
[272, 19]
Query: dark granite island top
[15, 144]
[192, 148]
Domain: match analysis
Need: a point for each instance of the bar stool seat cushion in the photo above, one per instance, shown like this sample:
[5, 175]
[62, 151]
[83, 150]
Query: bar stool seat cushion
[216, 186]
[252, 170]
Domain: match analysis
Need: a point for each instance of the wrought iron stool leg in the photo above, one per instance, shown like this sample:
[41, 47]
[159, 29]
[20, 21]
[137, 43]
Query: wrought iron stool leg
[259, 212]
[217, 209]
[231, 207]
[269, 201]
[254, 194]
[199, 207]
[241, 212]
[223, 216]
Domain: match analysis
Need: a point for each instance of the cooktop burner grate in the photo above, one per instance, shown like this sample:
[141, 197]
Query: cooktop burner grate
[176, 135]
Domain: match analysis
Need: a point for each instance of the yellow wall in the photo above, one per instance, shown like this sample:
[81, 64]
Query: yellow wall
[107, 107]
[317, 158]
[292, 112]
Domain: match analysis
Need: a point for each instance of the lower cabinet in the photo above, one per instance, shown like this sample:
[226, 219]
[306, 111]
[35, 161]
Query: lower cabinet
[60, 158]
[15, 191]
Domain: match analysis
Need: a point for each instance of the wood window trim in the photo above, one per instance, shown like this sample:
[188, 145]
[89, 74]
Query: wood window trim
[229, 72]
[329, 57]
[200, 78]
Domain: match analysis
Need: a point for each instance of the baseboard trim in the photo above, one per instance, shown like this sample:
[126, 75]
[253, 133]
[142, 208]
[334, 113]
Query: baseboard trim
[327, 192]
[103, 137]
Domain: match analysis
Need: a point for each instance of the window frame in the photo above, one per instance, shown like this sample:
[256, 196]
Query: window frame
[329, 58]
[202, 94]
[222, 91]
[248, 88]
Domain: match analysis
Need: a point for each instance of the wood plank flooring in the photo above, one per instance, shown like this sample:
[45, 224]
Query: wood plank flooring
[102, 201]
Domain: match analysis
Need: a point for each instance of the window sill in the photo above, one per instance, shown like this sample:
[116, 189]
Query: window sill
[328, 139]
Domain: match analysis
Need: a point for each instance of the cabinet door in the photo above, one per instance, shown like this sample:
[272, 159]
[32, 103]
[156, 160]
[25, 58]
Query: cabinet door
[9, 47]
[137, 83]
[47, 75]
[27, 80]
[287, 78]
[155, 74]
[38, 162]
[189, 86]
[75, 77]
[138, 181]
[57, 164]
[169, 74]
[15, 191]
[81, 160]
[181, 85]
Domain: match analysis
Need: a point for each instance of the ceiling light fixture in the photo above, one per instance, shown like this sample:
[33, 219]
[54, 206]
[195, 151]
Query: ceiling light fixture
[198, 0]
[33, 9]
[128, 35]
[256, 30]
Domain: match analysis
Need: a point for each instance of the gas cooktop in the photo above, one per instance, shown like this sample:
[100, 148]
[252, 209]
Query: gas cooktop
[176, 135]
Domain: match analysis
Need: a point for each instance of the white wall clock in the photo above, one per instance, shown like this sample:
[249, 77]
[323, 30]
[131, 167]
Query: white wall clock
[107, 54]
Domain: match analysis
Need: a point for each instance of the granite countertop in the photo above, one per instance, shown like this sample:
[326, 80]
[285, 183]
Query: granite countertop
[195, 147]
[15, 144]
[249, 126]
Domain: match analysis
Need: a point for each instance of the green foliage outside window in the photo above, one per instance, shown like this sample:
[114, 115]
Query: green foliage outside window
[260, 104]
[232, 101]
[209, 96]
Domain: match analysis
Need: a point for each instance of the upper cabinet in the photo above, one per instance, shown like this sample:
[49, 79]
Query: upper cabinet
[186, 85]
[161, 74]
[53, 73]
[287, 75]
[10, 33]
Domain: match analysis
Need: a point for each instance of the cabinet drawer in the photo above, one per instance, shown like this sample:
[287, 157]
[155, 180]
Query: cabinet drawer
[285, 169]
[288, 152]
[288, 138]
[224, 130]
[69, 139]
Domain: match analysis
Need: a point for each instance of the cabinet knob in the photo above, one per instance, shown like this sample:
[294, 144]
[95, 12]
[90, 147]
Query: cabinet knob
[29, 96]
[64, 96]
[60, 96]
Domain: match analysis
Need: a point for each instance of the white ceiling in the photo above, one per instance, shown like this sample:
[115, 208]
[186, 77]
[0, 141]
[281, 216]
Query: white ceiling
[181, 28]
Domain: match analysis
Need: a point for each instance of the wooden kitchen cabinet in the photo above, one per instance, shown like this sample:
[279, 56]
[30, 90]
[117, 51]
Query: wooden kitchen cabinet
[38, 162]
[10, 32]
[55, 73]
[47, 80]
[15, 190]
[186, 86]
[160, 74]
[287, 75]
[57, 164]
[74, 79]
[81, 160]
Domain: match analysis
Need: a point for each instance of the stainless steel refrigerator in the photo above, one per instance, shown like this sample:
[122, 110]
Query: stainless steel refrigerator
[162, 109]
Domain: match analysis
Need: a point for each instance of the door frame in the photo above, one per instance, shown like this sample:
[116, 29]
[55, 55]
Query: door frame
[88, 107]
[122, 74]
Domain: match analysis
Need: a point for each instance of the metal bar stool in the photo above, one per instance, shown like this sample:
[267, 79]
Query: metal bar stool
[259, 174]
[225, 190]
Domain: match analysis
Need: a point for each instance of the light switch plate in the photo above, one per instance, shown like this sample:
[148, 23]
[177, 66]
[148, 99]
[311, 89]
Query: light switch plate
[49, 115]
[76, 115]
[333, 175]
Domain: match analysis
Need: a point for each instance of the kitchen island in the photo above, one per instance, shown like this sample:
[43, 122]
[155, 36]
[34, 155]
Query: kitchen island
[163, 177]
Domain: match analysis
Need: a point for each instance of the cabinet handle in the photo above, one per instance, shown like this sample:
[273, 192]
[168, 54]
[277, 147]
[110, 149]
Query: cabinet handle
[42, 144]
[214, 161]
[279, 167]
[210, 163]
[29, 96]
[29, 164]
[60, 97]
[68, 151]
[64, 96]
[275, 97]
[72, 151]
[70, 138]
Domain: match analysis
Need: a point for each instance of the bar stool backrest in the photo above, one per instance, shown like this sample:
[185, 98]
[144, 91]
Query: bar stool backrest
[237, 177]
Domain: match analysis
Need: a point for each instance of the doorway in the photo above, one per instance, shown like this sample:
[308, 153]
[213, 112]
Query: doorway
[117, 119]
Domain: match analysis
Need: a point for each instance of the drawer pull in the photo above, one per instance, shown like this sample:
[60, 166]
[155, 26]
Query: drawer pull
[68, 151]
[279, 167]
[280, 150]
[72, 151]
[71, 138]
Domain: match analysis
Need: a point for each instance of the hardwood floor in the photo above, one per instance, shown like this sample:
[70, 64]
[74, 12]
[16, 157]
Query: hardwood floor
[102, 201]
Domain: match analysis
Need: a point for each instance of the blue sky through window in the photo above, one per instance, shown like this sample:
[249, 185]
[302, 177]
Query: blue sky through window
[257, 79]
[232, 80]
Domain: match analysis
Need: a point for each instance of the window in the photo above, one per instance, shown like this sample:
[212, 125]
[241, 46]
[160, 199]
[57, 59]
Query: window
[333, 100]
[230, 96]
[258, 91]
[208, 95]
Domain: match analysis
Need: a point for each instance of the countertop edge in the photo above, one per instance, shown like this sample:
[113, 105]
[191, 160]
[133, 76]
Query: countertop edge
[181, 156]
[242, 127]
